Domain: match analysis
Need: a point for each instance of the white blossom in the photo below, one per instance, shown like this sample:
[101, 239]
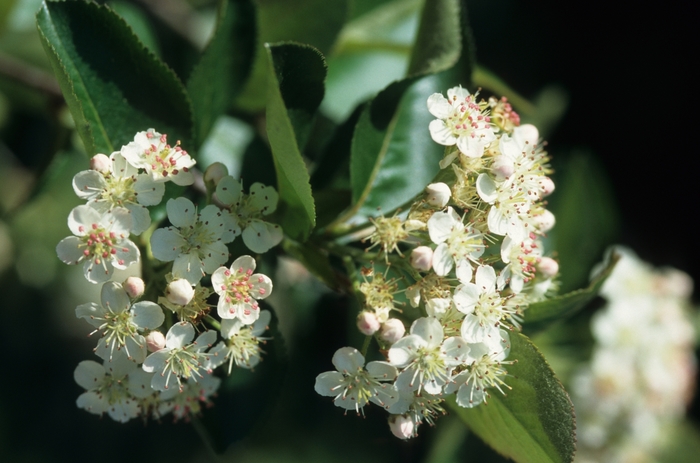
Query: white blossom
[150, 151]
[239, 290]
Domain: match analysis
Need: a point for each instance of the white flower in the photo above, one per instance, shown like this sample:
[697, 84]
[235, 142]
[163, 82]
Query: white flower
[247, 212]
[241, 343]
[458, 244]
[120, 186]
[521, 259]
[107, 389]
[483, 305]
[179, 359]
[239, 290]
[196, 242]
[353, 386]
[101, 242]
[426, 360]
[120, 322]
[461, 121]
[485, 360]
[150, 150]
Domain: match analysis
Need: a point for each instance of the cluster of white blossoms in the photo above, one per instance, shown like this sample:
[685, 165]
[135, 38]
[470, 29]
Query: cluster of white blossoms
[154, 362]
[475, 258]
[641, 376]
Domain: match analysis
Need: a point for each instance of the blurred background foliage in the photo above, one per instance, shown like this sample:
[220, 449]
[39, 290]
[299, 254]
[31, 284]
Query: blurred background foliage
[602, 88]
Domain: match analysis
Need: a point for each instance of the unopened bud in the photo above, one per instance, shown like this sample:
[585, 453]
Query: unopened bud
[438, 194]
[392, 330]
[214, 173]
[502, 167]
[134, 287]
[367, 323]
[155, 341]
[548, 267]
[422, 258]
[414, 224]
[101, 163]
[179, 292]
[546, 186]
[545, 221]
[401, 426]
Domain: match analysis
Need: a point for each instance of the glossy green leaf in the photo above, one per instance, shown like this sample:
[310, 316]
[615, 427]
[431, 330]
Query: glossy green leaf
[540, 315]
[313, 22]
[113, 85]
[224, 66]
[534, 422]
[392, 131]
[296, 74]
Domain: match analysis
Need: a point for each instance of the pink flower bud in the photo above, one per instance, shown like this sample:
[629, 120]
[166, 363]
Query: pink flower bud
[548, 267]
[179, 292]
[438, 194]
[155, 341]
[546, 186]
[502, 167]
[101, 163]
[215, 172]
[402, 426]
[422, 258]
[367, 323]
[392, 330]
[134, 287]
[545, 221]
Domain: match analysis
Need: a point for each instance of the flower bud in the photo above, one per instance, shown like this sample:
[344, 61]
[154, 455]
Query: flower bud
[502, 167]
[413, 224]
[134, 287]
[179, 292]
[214, 173]
[438, 194]
[422, 258]
[101, 163]
[546, 186]
[155, 341]
[545, 221]
[392, 330]
[548, 267]
[367, 323]
[401, 426]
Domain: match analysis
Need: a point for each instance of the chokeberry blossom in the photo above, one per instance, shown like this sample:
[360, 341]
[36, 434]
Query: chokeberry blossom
[460, 121]
[352, 386]
[150, 151]
[241, 344]
[195, 242]
[457, 244]
[247, 211]
[101, 242]
[427, 359]
[120, 322]
[239, 290]
[120, 186]
[180, 358]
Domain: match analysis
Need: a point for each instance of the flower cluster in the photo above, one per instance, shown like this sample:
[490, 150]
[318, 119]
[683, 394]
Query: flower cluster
[475, 256]
[152, 361]
[641, 374]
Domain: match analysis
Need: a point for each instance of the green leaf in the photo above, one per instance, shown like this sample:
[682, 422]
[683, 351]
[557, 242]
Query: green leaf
[390, 134]
[541, 315]
[296, 74]
[224, 66]
[113, 85]
[313, 22]
[534, 422]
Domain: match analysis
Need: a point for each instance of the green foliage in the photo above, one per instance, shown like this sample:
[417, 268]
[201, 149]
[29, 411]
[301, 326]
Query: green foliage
[296, 74]
[313, 22]
[383, 144]
[534, 422]
[541, 315]
[113, 85]
[224, 66]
